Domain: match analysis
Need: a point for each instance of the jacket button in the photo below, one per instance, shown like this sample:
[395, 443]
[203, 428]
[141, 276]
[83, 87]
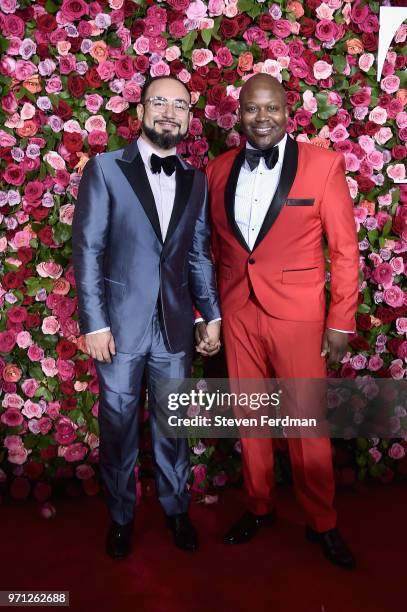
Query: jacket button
[252, 261]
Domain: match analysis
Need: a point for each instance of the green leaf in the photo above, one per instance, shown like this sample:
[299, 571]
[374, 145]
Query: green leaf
[188, 41]
[245, 5]
[30, 441]
[61, 233]
[329, 111]
[364, 308]
[36, 372]
[387, 227]
[339, 62]
[51, 7]
[4, 44]
[207, 35]
[236, 47]
[373, 236]
[44, 392]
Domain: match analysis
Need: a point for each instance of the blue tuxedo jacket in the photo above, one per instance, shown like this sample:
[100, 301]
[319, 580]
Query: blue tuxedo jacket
[122, 265]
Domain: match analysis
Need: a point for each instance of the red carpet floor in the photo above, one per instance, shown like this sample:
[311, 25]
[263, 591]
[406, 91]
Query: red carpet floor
[278, 571]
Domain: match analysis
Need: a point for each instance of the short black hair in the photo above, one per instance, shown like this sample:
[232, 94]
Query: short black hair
[151, 80]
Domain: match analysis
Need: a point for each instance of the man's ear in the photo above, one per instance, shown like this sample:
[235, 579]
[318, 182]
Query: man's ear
[140, 112]
[190, 117]
[239, 115]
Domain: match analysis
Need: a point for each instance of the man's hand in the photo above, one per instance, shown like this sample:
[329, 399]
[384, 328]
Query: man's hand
[334, 344]
[101, 346]
[207, 338]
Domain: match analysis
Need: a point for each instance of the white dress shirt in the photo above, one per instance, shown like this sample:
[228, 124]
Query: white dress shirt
[254, 191]
[163, 188]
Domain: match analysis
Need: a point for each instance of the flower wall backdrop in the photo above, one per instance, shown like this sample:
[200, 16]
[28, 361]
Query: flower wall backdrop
[71, 74]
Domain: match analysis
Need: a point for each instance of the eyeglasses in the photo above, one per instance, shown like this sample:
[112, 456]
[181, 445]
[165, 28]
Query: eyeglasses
[160, 104]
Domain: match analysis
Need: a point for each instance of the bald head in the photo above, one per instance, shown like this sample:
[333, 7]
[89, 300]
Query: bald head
[265, 81]
[263, 111]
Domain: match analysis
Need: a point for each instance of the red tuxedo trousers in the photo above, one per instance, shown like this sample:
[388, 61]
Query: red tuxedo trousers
[260, 346]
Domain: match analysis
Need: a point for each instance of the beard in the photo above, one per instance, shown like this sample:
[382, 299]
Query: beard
[163, 140]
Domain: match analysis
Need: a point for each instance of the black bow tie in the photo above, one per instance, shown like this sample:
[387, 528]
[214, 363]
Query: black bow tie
[270, 157]
[168, 164]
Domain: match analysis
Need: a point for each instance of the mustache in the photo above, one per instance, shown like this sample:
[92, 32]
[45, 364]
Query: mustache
[167, 121]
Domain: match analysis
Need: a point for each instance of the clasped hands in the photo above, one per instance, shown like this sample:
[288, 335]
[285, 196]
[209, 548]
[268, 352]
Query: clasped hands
[207, 337]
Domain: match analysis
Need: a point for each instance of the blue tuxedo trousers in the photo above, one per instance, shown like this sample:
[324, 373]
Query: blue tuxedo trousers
[120, 384]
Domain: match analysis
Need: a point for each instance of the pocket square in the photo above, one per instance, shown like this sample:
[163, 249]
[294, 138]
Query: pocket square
[300, 202]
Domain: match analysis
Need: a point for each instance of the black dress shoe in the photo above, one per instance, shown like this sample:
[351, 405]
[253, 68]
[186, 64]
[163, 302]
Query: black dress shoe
[247, 527]
[119, 540]
[333, 546]
[183, 531]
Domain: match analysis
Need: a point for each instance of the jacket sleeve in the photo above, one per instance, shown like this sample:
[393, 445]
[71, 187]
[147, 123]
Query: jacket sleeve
[202, 278]
[89, 237]
[340, 230]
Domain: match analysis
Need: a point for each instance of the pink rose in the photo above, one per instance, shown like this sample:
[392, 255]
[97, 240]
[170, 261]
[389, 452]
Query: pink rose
[160, 69]
[18, 455]
[378, 115]
[106, 70]
[383, 275]
[93, 102]
[117, 104]
[199, 472]
[84, 472]
[24, 339]
[7, 341]
[394, 296]
[12, 400]
[226, 122]
[66, 213]
[322, 70]
[48, 511]
[201, 57]
[29, 387]
[74, 452]
[65, 431]
[223, 57]
[396, 369]
[375, 363]
[396, 451]
[53, 409]
[366, 61]
[49, 269]
[50, 325]
[383, 135]
[397, 265]
[66, 369]
[397, 172]
[131, 92]
[12, 417]
[358, 362]
[32, 410]
[35, 353]
[390, 84]
[339, 133]
[375, 454]
[48, 366]
[196, 10]
[13, 442]
[401, 325]
[44, 425]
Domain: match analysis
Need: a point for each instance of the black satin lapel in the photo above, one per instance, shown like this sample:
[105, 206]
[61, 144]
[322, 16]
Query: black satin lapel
[136, 174]
[288, 172]
[183, 186]
[230, 194]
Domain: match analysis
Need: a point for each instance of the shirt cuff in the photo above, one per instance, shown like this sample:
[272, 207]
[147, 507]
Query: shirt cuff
[343, 331]
[98, 331]
[200, 320]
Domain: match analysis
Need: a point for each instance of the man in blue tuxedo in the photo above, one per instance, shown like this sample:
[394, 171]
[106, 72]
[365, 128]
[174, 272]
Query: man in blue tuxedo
[142, 260]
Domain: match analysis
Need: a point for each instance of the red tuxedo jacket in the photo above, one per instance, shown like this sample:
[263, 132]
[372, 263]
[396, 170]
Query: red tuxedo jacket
[286, 267]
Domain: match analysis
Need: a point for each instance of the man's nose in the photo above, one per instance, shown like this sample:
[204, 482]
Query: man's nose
[169, 111]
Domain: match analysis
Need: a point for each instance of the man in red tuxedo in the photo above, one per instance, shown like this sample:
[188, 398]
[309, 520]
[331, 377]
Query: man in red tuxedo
[272, 201]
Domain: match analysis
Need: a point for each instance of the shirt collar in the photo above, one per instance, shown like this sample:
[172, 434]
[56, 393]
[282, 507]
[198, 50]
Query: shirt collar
[280, 145]
[146, 151]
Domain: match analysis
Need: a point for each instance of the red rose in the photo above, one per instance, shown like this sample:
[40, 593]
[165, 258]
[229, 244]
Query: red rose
[197, 83]
[33, 469]
[293, 98]
[176, 66]
[67, 388]
[359, 343]
[394, 344]
[141, 63]
[17, 314]
[124, 68]
[363, 322]
[371, 128]
[63, 110]
[92, 78]
[76, 85]
[369, 41]
[43, 51]
[266, 22]
[12, 280]
[399, 152]
[307, 26]
[40, 213]
[385, 315]
[46, 22]
[364, 183]
[73, 141]
[33, 320]
[244, 21]
[33, 191]
[69, 404]
[347, 371]
[49, 453]
[75, 44]
[229, 28]
[230, 76]
[7, 341]
[45, 235]
[179, 5]
[214, 76]
[20, 488]
[14, 175]
[129, 8]
[65, 349]
[81, 367]
[25, 254]
[216, 94]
